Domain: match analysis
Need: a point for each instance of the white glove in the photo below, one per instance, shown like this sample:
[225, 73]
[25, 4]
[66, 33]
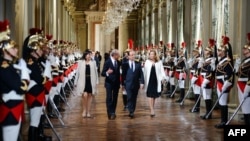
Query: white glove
[181, 76]
[175, 61]
[237, 64]
[170, 73]
[225, 86]
[193, 80]
[212, 64]
[167, 78]
[47, 70]
[204, 83]
[201, 62]
[247, 89]
[25, 72]
[190, 62]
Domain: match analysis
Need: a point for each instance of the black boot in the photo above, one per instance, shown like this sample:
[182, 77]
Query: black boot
[33, 134]
[208, 108]
[125, 101]
[224, 117]
[50, 110]
[57, 103]
[43, 137]
[182, 93]
[197, 107]
[172, 88]
[247, 119]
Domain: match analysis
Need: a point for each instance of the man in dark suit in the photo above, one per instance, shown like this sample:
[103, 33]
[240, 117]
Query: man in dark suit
[133, 79]
[111, 72]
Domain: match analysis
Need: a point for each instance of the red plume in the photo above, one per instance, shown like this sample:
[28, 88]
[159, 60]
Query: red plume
[172, 45]
[161, 42]
[61, 41]
[183, 44]
[199, 43]
[39, 31]
[33, 31]
[248, 37]
[225, 40]
[130, 43]
[54, 42]
[4, 25]
[49, 37]
[211, 42]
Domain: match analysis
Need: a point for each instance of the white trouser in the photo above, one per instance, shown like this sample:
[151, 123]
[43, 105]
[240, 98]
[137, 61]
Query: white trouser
[53, 92]
[35, 115]
[207, 93]
[171, 81]
[196, 89]
[181, 84]
[10, 133]
[223, 98]
[245, 107]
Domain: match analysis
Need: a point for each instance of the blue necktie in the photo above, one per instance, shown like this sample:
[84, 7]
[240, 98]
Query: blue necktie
[132, 66]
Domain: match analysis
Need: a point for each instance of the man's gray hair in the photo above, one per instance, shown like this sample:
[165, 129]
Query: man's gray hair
[113, 52]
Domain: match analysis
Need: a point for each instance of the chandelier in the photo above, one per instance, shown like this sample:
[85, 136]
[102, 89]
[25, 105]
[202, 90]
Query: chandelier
[117, 11]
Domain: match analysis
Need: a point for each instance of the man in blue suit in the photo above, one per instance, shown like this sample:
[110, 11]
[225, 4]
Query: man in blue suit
[111, 72]
[132, 80]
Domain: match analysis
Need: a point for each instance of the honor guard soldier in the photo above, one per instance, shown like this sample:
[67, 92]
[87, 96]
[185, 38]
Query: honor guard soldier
[35, 97]
[11, 94]
[195, 75]
[242, 70]
[170, 68]
[207, 74]
[224, 78]
[180, 73]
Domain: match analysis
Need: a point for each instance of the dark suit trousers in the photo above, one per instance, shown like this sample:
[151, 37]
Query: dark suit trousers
[132, 97]
[111, 98]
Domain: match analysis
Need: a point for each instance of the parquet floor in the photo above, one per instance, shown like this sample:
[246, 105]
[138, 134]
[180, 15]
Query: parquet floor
[171, 123]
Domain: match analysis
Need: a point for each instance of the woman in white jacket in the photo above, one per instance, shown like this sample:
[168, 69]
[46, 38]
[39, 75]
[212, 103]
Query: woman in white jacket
[87, 79]
[153, 76]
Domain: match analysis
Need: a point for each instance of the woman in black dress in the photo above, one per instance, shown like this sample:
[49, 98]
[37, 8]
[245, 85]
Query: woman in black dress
[87, 78]
[153, 74]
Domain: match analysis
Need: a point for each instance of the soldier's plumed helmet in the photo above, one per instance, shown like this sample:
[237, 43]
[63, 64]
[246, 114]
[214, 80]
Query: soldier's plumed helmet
[4, 30]
[211, 45]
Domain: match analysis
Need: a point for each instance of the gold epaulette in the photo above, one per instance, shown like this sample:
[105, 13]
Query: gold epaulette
[210, 75]
[44, 80]
[30, 62]
[248, 82]
[24, 87]
[5, 64]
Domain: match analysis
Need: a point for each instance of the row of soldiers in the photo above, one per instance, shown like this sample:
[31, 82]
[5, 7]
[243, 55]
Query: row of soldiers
[208, 68]
[37, 77]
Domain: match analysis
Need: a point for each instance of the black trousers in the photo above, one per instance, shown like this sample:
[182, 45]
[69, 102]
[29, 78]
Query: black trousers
[132, 97]
[111, 98]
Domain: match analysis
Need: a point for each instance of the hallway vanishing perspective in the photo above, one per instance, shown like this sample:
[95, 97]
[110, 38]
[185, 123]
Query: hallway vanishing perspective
[171, 123]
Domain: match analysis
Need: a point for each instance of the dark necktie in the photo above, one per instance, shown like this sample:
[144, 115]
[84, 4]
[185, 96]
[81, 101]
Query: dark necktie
[115, 64]
[132, 66]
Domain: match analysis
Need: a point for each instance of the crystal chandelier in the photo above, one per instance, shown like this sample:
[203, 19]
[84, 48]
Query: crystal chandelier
[117, 11]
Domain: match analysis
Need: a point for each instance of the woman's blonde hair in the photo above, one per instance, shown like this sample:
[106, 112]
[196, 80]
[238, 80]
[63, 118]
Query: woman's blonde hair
[156, 55]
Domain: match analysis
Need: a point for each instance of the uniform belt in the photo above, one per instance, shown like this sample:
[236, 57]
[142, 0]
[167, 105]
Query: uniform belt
[54, 73]
[179, 70]
[203, 74]
[220, 77]
[243, 79]
[87, 75]
[193, 71]
[12, 95]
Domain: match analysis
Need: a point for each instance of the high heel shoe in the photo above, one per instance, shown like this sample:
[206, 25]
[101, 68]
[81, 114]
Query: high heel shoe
[84, 114]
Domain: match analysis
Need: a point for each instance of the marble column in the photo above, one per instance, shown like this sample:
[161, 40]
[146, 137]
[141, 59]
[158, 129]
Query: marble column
[163, 23]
